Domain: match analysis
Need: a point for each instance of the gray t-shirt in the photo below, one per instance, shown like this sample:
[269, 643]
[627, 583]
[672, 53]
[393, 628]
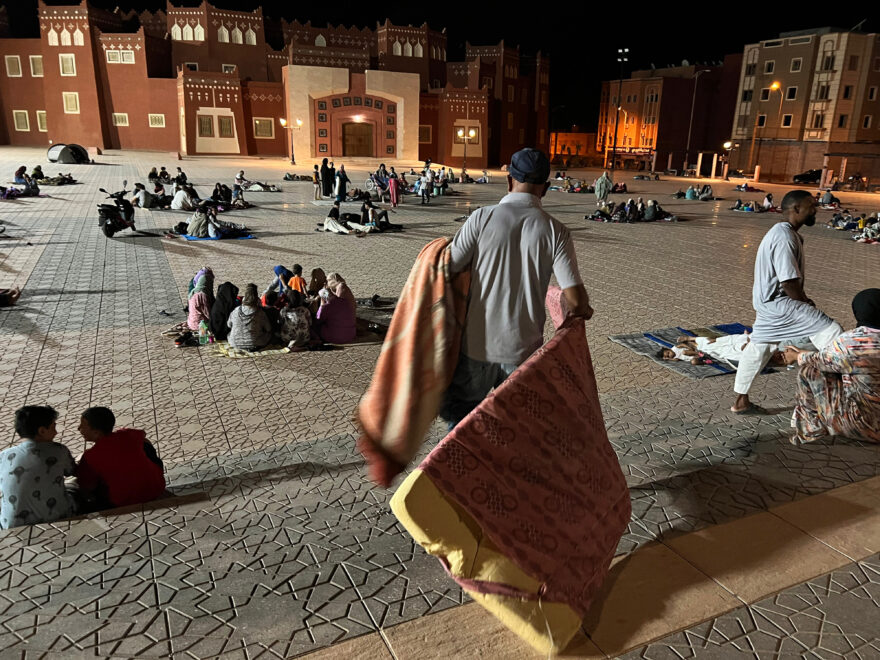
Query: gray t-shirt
[32, 483]
[780, 258]
[512, 249]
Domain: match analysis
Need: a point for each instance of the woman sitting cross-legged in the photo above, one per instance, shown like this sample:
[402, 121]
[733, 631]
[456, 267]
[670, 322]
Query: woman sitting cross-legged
[336, 319]
[249, 328]
[226, 302]
[296, 322]
[839, 387]
[201, 299]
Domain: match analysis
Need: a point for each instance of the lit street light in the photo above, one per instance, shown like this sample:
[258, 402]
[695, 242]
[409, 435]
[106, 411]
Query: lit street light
[622, 58]
[299, 123]
[470, 136]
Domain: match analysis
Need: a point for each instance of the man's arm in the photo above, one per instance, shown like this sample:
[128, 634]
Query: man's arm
[463, 244]
[795, 290]
[578, 301]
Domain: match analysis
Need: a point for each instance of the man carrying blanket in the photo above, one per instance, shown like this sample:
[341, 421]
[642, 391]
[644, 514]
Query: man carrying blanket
[511, 249]
[782, 309]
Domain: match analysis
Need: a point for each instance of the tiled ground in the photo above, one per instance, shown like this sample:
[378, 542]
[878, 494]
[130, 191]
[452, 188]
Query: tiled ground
[290, 548]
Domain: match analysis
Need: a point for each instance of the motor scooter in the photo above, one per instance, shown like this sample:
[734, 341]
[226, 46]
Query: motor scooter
[116, 216]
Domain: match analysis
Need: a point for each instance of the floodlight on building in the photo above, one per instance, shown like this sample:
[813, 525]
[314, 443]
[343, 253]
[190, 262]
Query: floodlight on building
[283, 122]
[728, 144]
[299, 122]
[358, 119]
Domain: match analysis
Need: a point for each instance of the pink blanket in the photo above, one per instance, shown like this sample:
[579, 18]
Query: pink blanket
[533, 466]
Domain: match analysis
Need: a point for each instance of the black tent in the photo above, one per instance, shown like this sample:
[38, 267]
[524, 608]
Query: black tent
[67, 153]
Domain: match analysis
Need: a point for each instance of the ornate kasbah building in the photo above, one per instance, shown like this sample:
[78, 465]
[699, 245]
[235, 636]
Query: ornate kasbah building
[202, 80]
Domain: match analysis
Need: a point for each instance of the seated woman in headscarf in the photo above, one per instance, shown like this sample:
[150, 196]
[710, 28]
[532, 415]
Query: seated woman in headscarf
[227, 300]
[153, 175]
[336, 319]
[839, 387]
[296, 322]
[20, 175]
[201, 299]
[336, 283]
[317, 281]
[249, 327]
[691, 193]
[37, 172]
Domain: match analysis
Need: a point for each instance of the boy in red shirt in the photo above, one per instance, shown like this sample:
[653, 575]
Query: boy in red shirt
[121, 468]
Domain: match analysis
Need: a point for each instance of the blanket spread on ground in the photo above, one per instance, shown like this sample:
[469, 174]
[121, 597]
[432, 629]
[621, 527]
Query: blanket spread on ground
[223, 349]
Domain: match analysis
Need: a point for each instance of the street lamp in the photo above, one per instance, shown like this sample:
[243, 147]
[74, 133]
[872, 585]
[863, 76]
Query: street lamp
[729, 147]
[775, 86]
[622, 58]
[687, 152]
[299, 123]
[465, 137]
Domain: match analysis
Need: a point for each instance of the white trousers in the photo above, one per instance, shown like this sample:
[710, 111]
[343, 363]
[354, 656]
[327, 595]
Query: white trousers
[756, 356]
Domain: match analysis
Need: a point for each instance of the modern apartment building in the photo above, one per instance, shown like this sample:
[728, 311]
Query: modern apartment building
[809, 100]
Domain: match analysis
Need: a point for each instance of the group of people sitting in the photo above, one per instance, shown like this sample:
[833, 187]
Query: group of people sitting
[751, 206]
[162, 176]
[120, 468]
[243, 183]
[372, 219]
[631, 211]
[184, 197]
[704, 194]
[290, 312]
[21, 178]
[203, 223]
[38, 177]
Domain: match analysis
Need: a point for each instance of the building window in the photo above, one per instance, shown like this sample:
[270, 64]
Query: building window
[822, 93]
[866, 122]
[391, 108]
[765, 93]
[509, 120]
[407, 49]
[223, 35]
[237, 37]
[187, 33]
[120, 119]
[417, 50]
[853, 63]
[336, 102]
[769, 66]
[776, 43]
[156, 120]
[466, 130]
[65, 38]
[264, 128]
[786, 121]
[828, 63]
[872, 93]
[226, 126]
[322, 116]
[112, 57]
[41, 121]
[346, 100]
[198, 32]
[847, 91]
[389, 121]
[322, 132]
[52, 37]
[819, 120]
[21, 120]
[67, 63]
[396, 49]
[175, 32]
[796, 64]
[127, 56]
[191, 66]
[36, 66]
[379, 105]
[322, 105]
[71, 102]
[389, 135]
[322, 148]
[426, 134]
[368, 102]
[358, 100]
[13, 66]
[747, 95]
[487, 82]
[206, 125]
[228, 68]
[791, 94]
[250, 37]
[510, 94]
[750, 69]
[389, 149]
[842, 121]
[762, 120]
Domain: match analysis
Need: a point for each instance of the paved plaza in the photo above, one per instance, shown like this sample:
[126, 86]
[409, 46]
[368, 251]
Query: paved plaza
[277, 545]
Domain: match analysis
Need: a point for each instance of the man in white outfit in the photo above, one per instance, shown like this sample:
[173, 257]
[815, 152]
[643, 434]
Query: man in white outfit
[783, 312]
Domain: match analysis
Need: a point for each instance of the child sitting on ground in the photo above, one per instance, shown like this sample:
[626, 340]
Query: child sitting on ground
[121, 468]
[32, 478]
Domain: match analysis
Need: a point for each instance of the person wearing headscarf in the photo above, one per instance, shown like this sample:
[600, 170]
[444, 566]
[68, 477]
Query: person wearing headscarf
[249, 327]
[317, 281]
[227, 300]
[296, 323]
[603, 188]
[342, 182]
[326, 180]
[839, 386]
[336, 319]
[20, 175]
[394, 188]
[201, 298]
[336, 283]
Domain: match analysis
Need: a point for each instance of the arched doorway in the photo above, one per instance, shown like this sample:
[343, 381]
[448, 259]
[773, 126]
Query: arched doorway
[357, 139]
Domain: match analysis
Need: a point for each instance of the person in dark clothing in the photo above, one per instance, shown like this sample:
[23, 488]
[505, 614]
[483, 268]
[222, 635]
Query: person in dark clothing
[225, 302]
[273, 313]
[326, 180]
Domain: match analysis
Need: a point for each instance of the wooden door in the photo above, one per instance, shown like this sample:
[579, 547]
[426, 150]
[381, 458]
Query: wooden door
[357, 139]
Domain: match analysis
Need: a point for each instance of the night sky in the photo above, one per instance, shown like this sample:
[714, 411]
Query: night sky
[582, 41]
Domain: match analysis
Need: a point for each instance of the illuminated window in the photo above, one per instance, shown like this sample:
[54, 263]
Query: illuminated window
[156, 120]
[120, 119]
[228, 68]
[206, 125]
[67, 63]
[41, 121]
[52, 37]
[396, 49]
[36, 66]
[226, 127]
[407, 49]
[65, 38]
[127, 56]
[71, 102]
[796, 64]
[320, 41]
[264, 128]
[786, 121]
[223, 35]
[236, 35]
[21, 121]
[198, 32]
[250, 37]
[78, 39]
[417, 50]
[187, 33]
[175, 32]
[13, 66]
[113, 57]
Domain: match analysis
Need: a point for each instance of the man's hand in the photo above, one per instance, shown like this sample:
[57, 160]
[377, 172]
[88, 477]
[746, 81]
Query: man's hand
[578, 302]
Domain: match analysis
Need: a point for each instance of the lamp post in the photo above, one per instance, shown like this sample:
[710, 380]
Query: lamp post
[687, 151]
[622, 58]
[299, 123]
[465, 136]
[776, 85]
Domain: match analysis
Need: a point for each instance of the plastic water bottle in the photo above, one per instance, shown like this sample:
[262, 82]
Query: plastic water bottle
[203, 333]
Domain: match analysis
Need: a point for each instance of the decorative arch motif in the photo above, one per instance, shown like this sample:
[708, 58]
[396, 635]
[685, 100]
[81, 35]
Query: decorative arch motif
[223, 35]
[396, 49]
[187, 33]
[236, 36]
[199, 32]
[250, 37]
[320, 41]
[443, 52]
[52, 36]
[175, 32]
[65, 37]
[417, 50]
[407, 49]
[78, 39]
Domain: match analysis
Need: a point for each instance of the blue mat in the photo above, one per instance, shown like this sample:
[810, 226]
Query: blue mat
[208, 238]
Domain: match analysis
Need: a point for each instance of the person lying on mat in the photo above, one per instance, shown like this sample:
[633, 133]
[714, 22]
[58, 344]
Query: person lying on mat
[726, 348]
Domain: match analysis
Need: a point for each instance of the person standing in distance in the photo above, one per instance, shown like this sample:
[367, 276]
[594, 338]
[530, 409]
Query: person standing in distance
[511, 249]
[783, 312]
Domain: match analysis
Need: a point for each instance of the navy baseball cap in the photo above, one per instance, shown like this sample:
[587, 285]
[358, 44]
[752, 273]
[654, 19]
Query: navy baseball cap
[529, 166]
